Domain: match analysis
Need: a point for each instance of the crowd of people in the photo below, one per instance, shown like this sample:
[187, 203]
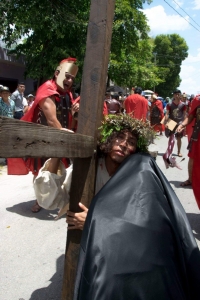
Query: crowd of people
[16, 104]
[135, 215]
[56, 105]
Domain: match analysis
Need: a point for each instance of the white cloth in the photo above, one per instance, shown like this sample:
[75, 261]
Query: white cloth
[52, 190]
[24, 102]
[102, 175]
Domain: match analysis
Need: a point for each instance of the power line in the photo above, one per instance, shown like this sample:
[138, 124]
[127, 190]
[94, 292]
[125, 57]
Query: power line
[186, 13]
[182, 16]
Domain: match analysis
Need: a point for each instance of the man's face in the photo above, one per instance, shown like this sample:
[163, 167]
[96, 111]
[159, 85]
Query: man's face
[108, 95]
[5, 95]
[21, 88]
[66, 81]
[124, 145]
[30, 99]
[177, 96]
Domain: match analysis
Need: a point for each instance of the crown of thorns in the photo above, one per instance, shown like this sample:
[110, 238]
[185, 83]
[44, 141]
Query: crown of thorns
[120, 122]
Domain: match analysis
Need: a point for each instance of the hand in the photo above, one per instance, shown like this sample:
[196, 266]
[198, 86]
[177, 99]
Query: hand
[180, 128]
[77, 220]
[75, 107]
[74, 111]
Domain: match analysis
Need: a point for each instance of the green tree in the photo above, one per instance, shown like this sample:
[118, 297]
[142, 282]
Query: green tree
[52, 30]
[170, 50]
[130, 48]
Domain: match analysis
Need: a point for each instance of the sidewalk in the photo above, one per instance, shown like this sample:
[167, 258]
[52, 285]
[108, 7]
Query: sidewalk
[33, 245]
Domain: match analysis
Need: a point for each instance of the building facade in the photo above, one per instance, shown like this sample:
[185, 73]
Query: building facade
[12, 72]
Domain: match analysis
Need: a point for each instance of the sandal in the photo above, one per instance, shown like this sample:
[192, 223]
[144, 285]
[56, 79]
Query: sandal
[36, 208]
[186, 183]
[180, 155]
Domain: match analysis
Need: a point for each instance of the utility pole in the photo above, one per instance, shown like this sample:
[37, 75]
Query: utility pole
[154, 53]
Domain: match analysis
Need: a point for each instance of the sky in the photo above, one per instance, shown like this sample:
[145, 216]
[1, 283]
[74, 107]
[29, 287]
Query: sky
[183, 18]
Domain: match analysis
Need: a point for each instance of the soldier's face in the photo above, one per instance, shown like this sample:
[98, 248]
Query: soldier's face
[124, 145]
[68, 81]
[64, 81]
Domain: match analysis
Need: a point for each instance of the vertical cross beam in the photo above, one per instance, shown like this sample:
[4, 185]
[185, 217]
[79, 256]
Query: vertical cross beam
[90, 115]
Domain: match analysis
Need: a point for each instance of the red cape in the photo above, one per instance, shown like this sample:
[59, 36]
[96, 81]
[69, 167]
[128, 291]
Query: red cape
[137, 105]
[196, 154]
[189, 127]
[17, 166]
[159, 105]
[47, 89]
[195, 171]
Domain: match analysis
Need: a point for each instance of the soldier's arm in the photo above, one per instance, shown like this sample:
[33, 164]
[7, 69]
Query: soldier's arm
[166, 117]
[185, 113]
[53, 165]
[49, 108]
[186, 121]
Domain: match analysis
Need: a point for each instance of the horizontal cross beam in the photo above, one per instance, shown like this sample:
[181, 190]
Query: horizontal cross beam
[24, 139]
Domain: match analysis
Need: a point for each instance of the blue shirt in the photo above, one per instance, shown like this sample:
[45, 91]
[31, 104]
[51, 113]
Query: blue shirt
[7, 109]
[19, 102]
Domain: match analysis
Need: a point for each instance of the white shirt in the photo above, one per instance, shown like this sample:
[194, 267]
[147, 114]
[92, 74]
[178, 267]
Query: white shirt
[52, 190]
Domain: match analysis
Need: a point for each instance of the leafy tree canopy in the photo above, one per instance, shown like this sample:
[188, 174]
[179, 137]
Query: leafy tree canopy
[52, 30]
[170, 50]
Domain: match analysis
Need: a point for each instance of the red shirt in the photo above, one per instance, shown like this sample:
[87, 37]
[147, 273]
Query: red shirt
[137, 106]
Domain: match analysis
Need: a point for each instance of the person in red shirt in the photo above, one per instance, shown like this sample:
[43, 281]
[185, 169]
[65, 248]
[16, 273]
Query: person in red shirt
[136, 105]
[194, 147]
[156, 114]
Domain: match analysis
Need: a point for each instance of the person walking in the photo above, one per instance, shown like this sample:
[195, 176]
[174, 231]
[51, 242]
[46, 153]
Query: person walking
[176, 111]
[156, 114]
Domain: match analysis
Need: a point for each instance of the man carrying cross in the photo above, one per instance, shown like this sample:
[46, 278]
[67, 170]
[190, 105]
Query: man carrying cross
[54, 189]
[136, 242]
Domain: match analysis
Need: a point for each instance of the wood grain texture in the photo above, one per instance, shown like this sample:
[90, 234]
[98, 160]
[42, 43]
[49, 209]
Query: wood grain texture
[24, 139]
[90, 115]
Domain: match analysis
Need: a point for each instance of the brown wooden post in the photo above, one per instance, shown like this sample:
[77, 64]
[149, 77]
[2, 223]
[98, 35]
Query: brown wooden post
[31, 140]
[90, 116]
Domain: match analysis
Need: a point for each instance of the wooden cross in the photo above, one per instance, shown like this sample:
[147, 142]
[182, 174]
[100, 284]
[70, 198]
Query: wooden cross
[22, 139]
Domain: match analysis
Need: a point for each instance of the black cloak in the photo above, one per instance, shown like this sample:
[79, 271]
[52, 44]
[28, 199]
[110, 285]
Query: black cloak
[137, 242]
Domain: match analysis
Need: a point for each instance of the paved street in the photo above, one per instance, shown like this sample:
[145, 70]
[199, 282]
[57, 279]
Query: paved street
[33, 245]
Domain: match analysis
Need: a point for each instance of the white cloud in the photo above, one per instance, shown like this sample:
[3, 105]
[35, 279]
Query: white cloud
[161, 23]
[196, 4]
[190, 74]
[178, 3]
[192, 59]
